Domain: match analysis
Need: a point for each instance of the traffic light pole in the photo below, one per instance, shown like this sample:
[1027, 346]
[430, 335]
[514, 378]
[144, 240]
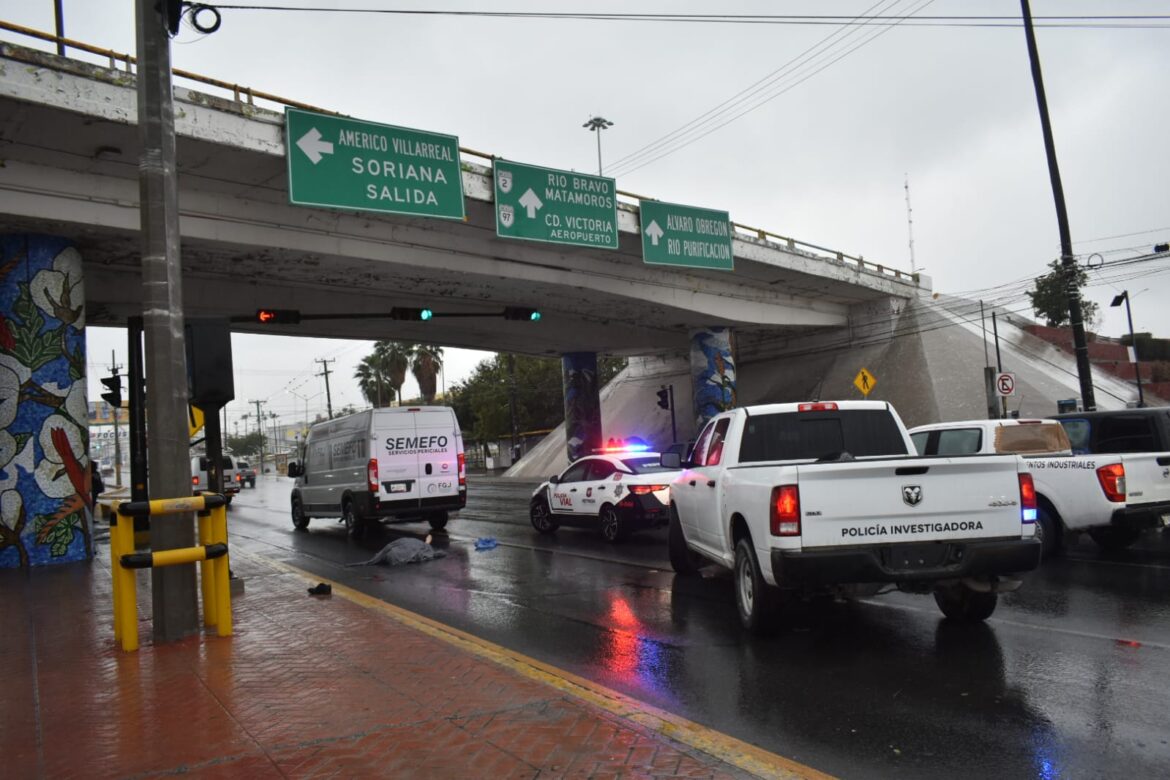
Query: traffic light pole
[673, 426]
[174, 593]
[117, 412]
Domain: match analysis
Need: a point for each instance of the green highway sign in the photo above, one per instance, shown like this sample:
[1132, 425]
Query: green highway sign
[346, 163]
[685, 235]
[561, 207]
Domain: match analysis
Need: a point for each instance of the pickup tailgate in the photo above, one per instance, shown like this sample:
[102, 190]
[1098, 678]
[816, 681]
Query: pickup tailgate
[1147, 477]
[910, 500]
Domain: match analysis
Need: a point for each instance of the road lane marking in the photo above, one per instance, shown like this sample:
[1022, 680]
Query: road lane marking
[744, 756]
[1033, 626]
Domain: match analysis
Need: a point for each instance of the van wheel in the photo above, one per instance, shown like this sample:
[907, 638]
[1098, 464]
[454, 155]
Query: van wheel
[299, 518]
[355, 525]
[541, 516]
[757, 601]
[683, 559]
[960, 603]
[1112, 539]
[438, 522]
[612, 527]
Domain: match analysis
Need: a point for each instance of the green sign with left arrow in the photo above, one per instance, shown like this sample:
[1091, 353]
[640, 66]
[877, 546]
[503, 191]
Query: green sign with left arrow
[344, 163]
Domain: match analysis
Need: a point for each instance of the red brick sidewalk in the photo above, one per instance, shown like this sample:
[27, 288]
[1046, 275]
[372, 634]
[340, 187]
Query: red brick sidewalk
[307, 687]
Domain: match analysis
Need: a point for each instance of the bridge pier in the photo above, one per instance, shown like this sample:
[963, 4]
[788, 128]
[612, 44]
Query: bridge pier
[582, 403]
[46, 505]
[712, 373]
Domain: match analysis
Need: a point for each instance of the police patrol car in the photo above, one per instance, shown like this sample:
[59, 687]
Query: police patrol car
[618, 490]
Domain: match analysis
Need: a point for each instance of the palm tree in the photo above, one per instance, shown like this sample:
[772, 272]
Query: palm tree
[425, 364]
[371, 381]
[394, 357]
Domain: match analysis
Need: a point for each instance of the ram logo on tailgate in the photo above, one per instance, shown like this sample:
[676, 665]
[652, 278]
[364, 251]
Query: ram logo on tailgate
[912, 494]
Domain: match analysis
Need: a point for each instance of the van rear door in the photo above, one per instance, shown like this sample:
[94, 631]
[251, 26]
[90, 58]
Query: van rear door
[440, 446]
[396, 448]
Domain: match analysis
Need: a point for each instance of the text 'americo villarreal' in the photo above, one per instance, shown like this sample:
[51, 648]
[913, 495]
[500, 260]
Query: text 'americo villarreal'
[410, 179]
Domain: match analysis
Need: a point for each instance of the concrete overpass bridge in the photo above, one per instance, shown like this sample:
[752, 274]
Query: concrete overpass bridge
[70, 150]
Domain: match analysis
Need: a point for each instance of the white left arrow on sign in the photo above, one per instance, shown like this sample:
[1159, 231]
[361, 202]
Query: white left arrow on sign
[314, 146]
[655, 232]
[530, 202]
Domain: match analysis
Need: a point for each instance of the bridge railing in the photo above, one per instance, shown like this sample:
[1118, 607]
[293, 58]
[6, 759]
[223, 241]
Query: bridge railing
[243, 94]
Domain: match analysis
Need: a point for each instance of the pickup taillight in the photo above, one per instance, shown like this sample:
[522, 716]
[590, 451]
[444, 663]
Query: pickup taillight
[372, 475]
[817, 407]
[1112, 479]
[1027, 499]
[785, 512]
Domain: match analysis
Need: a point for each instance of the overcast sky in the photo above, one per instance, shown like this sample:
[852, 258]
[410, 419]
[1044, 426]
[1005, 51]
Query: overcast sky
[824, 160]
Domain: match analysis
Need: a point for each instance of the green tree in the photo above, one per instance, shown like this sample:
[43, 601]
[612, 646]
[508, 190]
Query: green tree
[425, 363]
[1050, 298]
[394, 359]
[248, 444]
[373, 381]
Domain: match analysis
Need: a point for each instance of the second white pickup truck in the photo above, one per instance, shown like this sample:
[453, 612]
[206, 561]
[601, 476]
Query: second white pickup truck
[1101, 494]
[826, 496]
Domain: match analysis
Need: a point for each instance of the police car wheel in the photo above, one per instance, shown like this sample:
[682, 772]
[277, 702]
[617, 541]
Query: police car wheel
[541, 517]
[299, 520]
[612, 527]
[962, 604]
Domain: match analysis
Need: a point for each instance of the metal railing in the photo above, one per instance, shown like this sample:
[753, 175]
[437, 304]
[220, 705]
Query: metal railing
[211, 554]
[242, 94]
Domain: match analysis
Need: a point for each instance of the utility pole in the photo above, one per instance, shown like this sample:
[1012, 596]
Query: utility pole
[175, 609]
[512, 402]
[260, 430]
[325, 373]
[1067, 259]
[114, 369]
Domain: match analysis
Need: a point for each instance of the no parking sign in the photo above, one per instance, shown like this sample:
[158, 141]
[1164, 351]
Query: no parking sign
[1005, 384]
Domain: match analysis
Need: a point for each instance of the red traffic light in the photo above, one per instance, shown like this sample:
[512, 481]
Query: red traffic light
[278, 316]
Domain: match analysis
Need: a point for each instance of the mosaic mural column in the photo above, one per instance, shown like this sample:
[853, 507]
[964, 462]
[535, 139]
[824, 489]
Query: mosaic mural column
[713, 373]
[582, 403]
[46, 508]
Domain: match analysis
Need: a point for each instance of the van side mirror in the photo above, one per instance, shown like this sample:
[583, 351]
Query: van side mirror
[554, 479]
[294, 469]
[670, 460]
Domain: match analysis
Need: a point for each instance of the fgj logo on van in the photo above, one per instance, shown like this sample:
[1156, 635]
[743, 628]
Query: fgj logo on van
[912, 494]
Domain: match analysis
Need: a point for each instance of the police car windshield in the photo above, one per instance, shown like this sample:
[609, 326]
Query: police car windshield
[644, 465]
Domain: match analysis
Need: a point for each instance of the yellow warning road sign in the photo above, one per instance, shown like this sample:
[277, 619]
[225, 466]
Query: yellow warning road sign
[194, 419]
[864, 381]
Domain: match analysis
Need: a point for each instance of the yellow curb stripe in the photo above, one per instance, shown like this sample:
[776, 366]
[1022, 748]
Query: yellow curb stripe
[740, 754]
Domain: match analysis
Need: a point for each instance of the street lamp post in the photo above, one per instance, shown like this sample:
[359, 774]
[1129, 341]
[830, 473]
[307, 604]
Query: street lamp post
[1137, 371]
[597, 124]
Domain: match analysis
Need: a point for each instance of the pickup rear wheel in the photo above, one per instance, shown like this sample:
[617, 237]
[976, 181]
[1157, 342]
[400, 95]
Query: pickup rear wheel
[1050, 532]
[1112, 539]
[758, 602]
[682, 558]
[960, 603]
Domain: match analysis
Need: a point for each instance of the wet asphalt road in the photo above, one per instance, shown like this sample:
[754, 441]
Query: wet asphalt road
[1070, 677]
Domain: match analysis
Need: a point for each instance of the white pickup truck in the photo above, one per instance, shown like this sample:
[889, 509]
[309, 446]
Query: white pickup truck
[1101, 494]
[827, 496]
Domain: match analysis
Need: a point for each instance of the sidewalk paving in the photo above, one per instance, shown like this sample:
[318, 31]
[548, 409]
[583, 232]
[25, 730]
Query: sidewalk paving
[307, 687]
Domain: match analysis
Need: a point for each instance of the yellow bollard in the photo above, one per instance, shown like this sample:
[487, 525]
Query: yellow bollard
[114, 566]
[206, 572]
[223, 590]
[127, 610]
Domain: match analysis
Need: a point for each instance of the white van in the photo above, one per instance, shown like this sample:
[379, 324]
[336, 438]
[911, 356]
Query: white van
[201, 481]
[402, 463]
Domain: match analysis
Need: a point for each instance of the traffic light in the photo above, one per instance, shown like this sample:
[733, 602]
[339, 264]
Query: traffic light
[521, 313]
[664, 398]
[113, 383]
[278, 316]
[403, 313]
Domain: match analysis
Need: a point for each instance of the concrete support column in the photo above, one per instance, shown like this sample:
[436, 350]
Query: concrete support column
[46, 505]
[712, 373]
[582, 403]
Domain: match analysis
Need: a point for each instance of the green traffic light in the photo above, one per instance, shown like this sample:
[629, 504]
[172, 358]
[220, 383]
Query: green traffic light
[535, 316]
[425, 314]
